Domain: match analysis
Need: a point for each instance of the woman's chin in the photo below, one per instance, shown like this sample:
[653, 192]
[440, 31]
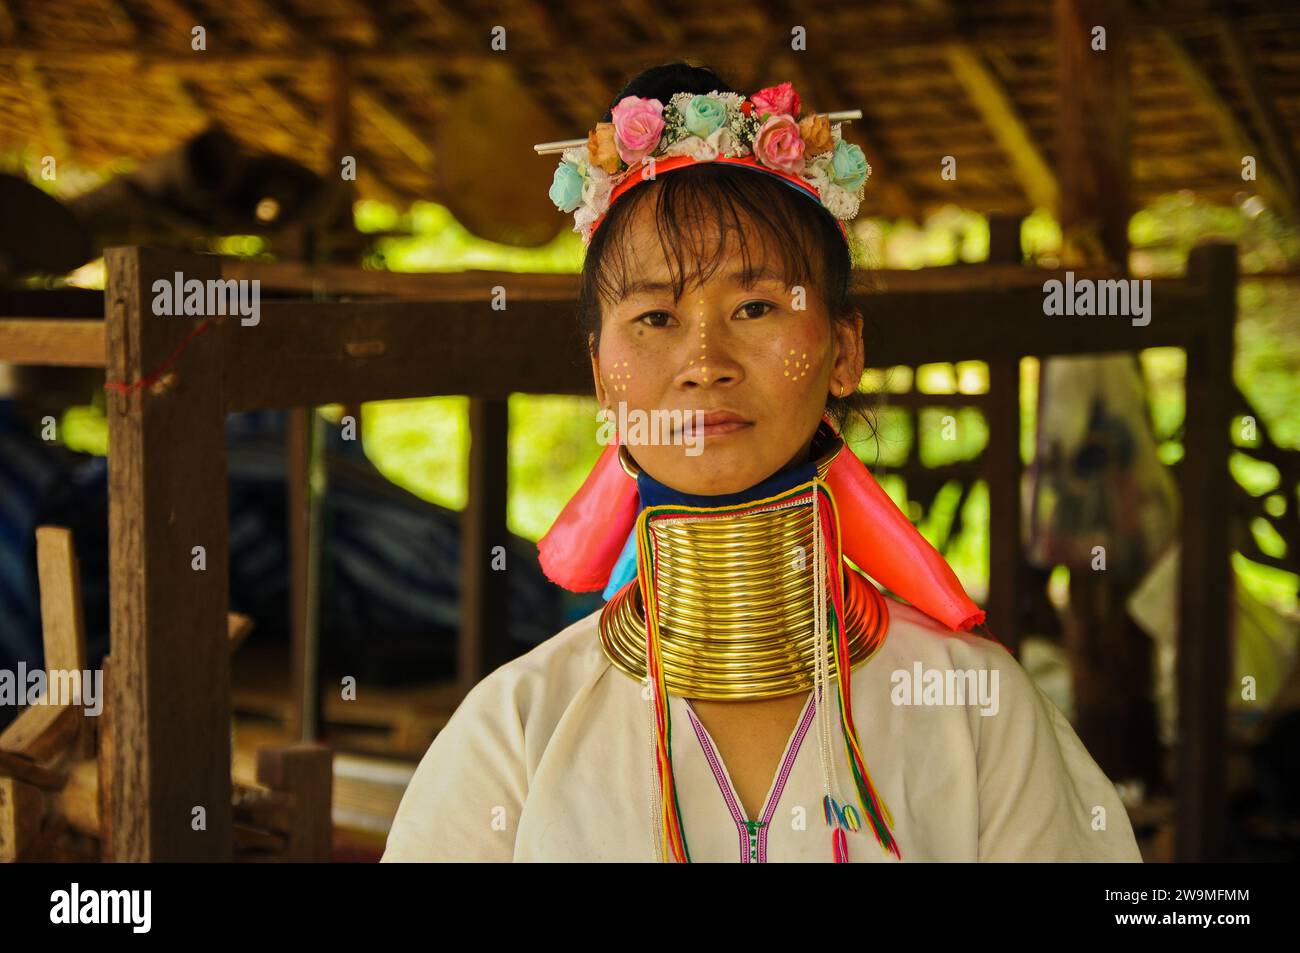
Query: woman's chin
[712, 473]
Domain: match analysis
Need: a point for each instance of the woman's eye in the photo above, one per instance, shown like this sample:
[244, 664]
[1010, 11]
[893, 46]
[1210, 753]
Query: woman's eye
[745, 312]
[656, 319]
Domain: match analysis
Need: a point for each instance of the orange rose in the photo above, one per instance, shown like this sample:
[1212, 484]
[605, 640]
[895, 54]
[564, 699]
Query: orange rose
[601, 148]
[816, 133]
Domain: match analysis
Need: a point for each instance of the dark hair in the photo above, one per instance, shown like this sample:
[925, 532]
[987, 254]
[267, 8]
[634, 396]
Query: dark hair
[810, 247]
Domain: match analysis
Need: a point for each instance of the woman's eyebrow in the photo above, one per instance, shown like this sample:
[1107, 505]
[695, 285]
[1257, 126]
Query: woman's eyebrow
[748, 280]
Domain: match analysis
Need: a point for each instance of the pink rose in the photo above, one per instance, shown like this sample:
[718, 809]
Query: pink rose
[777, 100]
[778, 144]
[638, 123]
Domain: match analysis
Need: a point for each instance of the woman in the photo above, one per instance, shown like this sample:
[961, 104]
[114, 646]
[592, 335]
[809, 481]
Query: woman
[815, 718]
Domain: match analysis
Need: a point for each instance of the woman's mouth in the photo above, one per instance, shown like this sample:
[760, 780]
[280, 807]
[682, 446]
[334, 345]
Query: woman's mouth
[715, 423]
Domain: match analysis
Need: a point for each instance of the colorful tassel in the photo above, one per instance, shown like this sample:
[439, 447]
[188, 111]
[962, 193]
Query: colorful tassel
[673, 837]
[874, 807]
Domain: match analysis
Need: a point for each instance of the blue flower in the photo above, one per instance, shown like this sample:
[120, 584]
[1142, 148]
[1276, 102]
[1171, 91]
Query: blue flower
[848, 166]
[566, 187]
[704, 114]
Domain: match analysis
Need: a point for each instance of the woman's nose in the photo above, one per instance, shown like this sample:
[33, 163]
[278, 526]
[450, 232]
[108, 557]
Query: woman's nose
[708, 361]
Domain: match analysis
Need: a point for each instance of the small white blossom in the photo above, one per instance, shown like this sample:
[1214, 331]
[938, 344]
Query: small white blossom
[584, 218]
[596, 188]
[840, 202]
[703, 150]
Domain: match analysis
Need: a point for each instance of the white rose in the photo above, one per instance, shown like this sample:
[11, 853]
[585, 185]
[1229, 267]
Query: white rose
[703, 150]
[840, 202]
[584, 218]
[596, 188]
[818, 175]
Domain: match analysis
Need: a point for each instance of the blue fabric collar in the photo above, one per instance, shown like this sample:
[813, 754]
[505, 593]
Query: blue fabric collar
[654, 493]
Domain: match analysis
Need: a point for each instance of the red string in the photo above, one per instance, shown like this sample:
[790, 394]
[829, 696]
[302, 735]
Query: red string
[154, 376]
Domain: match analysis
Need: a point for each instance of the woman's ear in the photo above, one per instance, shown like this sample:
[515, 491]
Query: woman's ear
[849, 354]
[595, 370]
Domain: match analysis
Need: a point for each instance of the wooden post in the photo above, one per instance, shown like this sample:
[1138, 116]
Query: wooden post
[1092, 124]
[106, 761]
[1206, 578]
[304, 472]
[1003, 468]
[22, 808]
[484, 592]
[167, 497]
[304, 771]
[1110, 656]
[42, 731]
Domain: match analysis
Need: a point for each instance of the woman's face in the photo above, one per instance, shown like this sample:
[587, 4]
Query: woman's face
[757, 362]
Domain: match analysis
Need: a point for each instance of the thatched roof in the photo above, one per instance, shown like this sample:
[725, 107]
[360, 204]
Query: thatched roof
[432, 104]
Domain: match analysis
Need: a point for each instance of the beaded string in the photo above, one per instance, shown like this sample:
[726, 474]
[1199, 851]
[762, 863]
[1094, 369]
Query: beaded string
[829, 567]
[875, 808]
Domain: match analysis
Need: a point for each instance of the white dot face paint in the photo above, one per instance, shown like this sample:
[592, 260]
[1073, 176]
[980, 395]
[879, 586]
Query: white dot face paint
[704, 342]
[619, 377]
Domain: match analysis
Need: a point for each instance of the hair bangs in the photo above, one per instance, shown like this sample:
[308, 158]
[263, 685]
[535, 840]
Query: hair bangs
[707, 216]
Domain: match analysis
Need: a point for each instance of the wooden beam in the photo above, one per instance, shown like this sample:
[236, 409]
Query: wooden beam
[8, 25]
[287, 112]
[293, 111]
[273, 28]
[312, 353]
[1277, 136]
[484, 638]
[62, 623]
[339, 114]
[443, 287]
[305, 773]
[993, 102]
[1205, 580]
[318, 353]
[24, 769]
[439, 287]
[191, 98]
[42, 731]
[1003, 467]
[566, 112]
[1236, 138]
[1093, 132]
[365, 94]
[395, 128]
[170, 691]
[52, 343]
[53, 129]
[22, 807]
[305, 477]
[862, 38]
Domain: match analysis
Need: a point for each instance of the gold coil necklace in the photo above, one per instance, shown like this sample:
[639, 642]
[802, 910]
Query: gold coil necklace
[735, 594]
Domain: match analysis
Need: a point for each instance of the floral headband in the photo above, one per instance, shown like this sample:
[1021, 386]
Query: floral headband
[759, 131]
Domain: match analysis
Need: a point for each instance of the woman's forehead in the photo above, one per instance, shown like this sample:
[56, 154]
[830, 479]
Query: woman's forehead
[716, 257]
[732, 274]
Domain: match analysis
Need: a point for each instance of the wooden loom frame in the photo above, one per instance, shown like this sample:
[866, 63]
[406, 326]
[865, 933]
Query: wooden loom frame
[167, 477]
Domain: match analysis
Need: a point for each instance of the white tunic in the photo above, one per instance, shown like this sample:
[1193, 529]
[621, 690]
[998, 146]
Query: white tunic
[549, 759]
